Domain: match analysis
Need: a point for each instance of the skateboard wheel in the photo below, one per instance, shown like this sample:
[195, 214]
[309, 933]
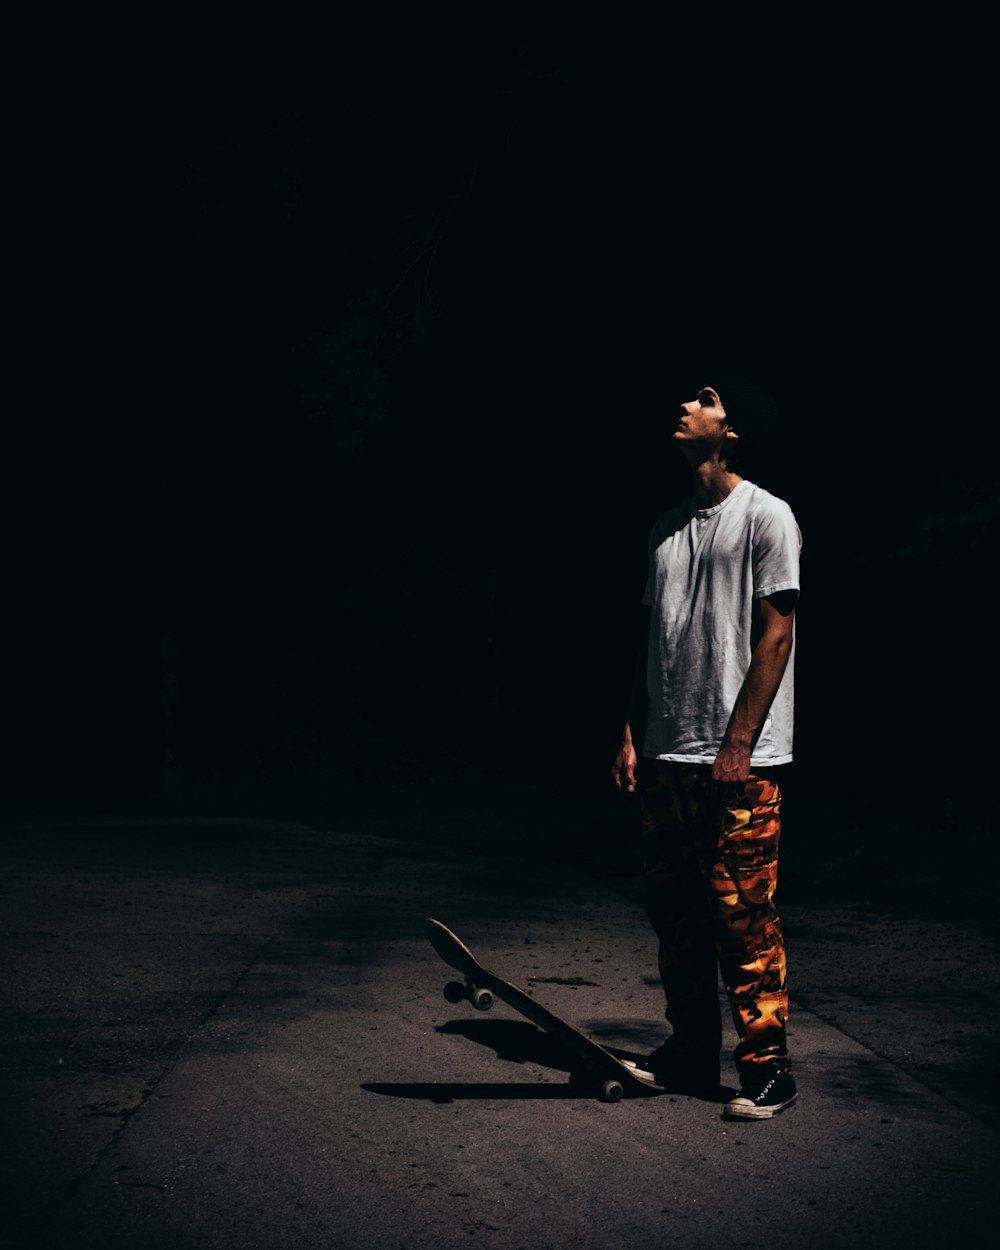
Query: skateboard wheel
[454, 991]
[611, 1091]
[482, 1000]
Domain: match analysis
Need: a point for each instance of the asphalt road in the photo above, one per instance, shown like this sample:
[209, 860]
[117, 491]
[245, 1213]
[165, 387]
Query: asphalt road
[228, 1032]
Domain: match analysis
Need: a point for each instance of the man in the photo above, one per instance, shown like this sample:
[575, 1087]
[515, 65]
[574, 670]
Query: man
[711, 717]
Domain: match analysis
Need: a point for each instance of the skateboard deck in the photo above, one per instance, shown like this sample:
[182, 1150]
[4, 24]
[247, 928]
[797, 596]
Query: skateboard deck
[597, 1070]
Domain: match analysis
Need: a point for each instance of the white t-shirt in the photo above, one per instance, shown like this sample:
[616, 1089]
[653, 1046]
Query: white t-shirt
[706, 568]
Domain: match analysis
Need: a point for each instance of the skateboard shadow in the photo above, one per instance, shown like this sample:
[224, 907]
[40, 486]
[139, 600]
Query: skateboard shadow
[514, 1041]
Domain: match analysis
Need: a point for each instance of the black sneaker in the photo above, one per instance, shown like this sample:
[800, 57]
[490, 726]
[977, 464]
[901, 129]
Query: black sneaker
[764, 1091]
[680, 1071]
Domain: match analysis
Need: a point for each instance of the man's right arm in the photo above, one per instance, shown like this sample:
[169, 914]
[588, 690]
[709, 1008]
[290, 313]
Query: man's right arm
[623, 770]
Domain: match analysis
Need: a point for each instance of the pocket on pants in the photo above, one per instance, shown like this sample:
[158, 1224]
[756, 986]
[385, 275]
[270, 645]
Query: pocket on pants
[751, 827]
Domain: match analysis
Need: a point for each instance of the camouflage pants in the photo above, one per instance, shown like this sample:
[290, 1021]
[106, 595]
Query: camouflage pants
[710, 870]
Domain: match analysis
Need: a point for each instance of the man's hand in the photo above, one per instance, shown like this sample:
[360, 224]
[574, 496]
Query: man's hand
[732, 765]
[623, 769]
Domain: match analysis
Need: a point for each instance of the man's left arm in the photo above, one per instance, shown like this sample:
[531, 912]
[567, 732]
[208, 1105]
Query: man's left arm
[767, 667]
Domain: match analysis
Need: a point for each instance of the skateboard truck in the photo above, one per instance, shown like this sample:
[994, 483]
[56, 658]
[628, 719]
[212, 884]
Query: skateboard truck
[456, 992]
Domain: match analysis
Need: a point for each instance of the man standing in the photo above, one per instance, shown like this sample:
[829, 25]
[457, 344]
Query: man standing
[711, 717]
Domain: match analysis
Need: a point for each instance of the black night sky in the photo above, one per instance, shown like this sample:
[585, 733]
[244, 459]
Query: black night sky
[345, 362]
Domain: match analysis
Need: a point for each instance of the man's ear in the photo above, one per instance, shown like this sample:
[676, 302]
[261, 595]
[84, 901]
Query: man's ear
[730, 445]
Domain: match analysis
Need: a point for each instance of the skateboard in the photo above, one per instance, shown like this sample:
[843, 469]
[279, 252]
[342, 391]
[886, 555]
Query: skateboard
[596, 1071]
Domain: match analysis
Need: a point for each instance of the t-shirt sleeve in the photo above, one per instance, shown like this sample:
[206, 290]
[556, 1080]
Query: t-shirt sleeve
[777, 546]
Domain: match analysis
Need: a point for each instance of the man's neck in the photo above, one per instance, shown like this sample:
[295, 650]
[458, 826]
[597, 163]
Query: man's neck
[712, 483]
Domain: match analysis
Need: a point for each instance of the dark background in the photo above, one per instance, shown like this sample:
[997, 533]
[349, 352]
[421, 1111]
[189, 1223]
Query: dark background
[344, 359]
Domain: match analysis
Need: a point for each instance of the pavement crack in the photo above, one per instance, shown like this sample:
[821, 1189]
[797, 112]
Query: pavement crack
[74, 1185]
[893, 1060]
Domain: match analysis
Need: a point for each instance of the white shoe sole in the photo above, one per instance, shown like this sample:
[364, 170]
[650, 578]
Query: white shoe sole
[743, 1109]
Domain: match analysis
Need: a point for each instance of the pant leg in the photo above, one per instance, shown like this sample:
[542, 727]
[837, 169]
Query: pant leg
[675, 846]
[748, 929]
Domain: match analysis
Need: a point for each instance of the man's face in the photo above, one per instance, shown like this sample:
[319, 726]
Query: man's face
[701, 420]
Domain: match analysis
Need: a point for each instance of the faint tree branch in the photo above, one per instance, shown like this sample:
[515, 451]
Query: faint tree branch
[349, 384]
